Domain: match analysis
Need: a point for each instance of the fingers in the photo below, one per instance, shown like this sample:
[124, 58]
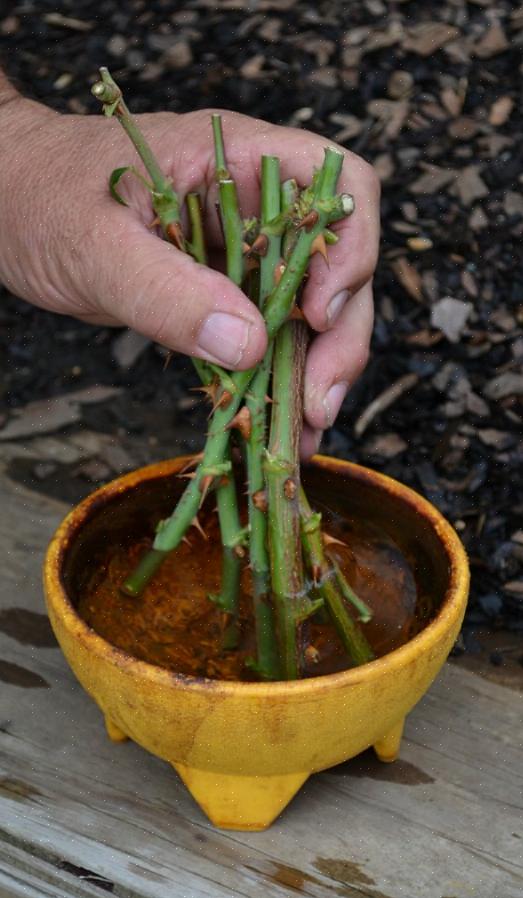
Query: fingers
[162, 293]
[351, 261]
[336, 358]
[310, 442]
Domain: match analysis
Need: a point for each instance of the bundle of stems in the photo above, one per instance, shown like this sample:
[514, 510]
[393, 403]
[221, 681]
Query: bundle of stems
[293, 574]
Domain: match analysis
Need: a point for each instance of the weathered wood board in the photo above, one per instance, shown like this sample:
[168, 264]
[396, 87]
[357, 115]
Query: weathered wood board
[80, 816]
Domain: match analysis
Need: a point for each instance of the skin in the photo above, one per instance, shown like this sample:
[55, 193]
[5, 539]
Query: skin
[66, 246]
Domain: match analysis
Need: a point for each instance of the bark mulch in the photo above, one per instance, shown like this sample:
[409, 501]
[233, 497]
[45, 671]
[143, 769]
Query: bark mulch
[431, 95]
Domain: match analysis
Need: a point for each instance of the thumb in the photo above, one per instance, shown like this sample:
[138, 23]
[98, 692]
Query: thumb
[164, 294]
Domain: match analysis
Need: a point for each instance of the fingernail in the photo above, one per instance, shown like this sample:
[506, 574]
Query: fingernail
[224, 337]
[336, 305]
[332, 401]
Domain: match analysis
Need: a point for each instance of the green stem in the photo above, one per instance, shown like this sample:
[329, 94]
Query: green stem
[231, 537]
[282, 472]
[232, 223]
[165, 199]
[283, 294]
[327, 585]
[232, 230]
[278, 307]
[231, 575]
[222, 172]
[227, 501]
[197, 244]
[267, 663]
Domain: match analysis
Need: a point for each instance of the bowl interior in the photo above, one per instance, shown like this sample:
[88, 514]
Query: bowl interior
[122, 514]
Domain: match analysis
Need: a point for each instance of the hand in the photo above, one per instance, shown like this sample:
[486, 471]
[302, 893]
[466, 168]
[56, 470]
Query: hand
[67, 246]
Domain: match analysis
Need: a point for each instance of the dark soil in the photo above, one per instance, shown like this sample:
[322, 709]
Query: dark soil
[430, 94]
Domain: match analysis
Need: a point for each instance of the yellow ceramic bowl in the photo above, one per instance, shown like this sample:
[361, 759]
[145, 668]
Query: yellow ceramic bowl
[244, 749]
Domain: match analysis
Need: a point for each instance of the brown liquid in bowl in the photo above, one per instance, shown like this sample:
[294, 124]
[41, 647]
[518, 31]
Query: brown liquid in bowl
[174, 624]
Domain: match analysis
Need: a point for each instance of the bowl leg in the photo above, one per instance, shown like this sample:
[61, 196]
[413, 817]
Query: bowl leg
[113, 731]
[388, 747]
[240, 802]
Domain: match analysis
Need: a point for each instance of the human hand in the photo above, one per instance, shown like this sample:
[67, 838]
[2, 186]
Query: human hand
[68, 247]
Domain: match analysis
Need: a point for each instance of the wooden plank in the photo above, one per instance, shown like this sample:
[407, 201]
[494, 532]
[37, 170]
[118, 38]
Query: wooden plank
[80, 816]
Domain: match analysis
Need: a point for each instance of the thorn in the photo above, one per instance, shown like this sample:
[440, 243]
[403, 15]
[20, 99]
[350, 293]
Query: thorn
[193, 461]
[278, 272]
[251, 264]
[195, 523]
[311, 654]
[316, 574]
[289, 488]
[318, 245]
[260, 245]
[190, 476]
[223, 401]
[239, 551]
[308, 221]
[168, 359]
[185, 540]
[243, 422]
[155, 222]
[331, 540]
[208, 390]
[173, 232]
[259, 500]
[204, 486]
[268, 400]
[296, 314]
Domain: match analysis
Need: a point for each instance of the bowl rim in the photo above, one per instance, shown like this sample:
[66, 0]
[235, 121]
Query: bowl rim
[451, 610]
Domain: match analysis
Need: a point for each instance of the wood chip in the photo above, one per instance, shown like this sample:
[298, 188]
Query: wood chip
[452, 101]
[392, 115]
[49, 415]
[492, 43]
[478, 220]
[419, 244]
[433, 180]
[515, 588]
[384, 400]
[384, 445]
[469, 186]
[450, 316]
[408, 277]
[128, 347]
[428, 37]
[498, 439]
[60, 21]
[500, 111]
[507, 384]
[400, 84]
